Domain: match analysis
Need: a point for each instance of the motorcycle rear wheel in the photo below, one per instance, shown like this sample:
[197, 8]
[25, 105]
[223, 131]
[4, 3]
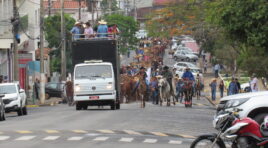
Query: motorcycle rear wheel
[206, 142]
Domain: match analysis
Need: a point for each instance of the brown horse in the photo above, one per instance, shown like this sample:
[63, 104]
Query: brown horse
[188, 92]
[140, 89]
[198, 88]
[126, 86]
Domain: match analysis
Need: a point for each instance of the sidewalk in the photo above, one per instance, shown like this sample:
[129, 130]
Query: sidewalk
[50, 102]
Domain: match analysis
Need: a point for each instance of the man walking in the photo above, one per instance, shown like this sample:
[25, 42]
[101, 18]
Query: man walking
[233, 88]
[213, 86]
[254, 83]
[216, 69]
[69, 92]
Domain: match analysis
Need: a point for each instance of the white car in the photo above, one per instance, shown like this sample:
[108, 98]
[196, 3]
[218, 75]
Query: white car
[141, 34]
[183, 65]
[14, 99]
[245, 87]
[194, 72]
[185, 56]
[253, 104]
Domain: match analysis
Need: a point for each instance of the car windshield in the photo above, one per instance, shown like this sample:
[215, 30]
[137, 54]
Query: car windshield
[7, 89]
[191, 65]
[93, 71]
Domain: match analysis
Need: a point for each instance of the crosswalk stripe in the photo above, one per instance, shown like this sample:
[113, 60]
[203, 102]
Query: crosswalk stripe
[52, 131]
[51, 138]
[126, 140]
[2, 138]
[159, 134]
[79, 131]
[130, 132]
[150, 141]
[175, 142]
[25, 138]
[101, 138]
[24, 132]
[106, 131]
[75, 138]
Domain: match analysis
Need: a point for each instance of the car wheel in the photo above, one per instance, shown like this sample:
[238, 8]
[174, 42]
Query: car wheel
[24, 110]
[78, 106]
[260, 117]
[113, 105]
[20, 112]
[47, 96]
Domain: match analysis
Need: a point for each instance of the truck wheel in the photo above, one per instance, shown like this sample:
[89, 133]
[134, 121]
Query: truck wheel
[24, 110]
[260, 117]
[118, 105]
[113, 105]
[78, 106]
[20, 112]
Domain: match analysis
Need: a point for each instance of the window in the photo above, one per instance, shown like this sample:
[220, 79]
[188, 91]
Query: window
[93, 71]
[8, 89]
[52, 85]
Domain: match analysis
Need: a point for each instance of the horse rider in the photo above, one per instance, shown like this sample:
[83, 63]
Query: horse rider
[142, 73]
[188, 74]
[168, 75]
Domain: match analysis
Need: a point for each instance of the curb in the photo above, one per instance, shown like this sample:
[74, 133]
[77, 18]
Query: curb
[43, 105]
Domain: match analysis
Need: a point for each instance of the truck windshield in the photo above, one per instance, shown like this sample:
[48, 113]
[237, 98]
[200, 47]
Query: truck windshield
[7, 89]
[93, 71]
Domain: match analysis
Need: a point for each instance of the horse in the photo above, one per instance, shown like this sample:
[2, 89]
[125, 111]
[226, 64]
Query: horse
[188, 92]
[140, 89]
[198, 88]
[164, 91]
[126, 86]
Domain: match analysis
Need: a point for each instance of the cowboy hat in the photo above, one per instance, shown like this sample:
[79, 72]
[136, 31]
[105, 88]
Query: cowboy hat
[159, 77]
[77, 23]
[102, 22]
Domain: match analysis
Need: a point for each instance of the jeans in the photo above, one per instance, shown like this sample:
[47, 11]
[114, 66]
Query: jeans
[213, 94]
[221, 91]
[179, 96]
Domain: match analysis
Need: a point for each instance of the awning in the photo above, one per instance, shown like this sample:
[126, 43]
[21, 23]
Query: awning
[5, 43]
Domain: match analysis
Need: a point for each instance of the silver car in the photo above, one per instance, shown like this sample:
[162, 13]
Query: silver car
[2, 109]
[185, 56]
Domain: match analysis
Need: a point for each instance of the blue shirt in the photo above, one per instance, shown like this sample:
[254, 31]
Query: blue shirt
[179, 86]
[75, 30]
[233, 88]
[188, 75]
[102, 29]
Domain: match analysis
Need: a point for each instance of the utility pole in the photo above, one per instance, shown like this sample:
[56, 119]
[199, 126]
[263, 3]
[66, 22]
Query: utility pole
[63, 44]
[15, 23]
[79, 13]
[49, 7]
[92, 13]
[42, 64]
[135, 11]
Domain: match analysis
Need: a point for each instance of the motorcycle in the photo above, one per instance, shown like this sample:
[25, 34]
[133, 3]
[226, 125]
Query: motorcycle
[240, 133]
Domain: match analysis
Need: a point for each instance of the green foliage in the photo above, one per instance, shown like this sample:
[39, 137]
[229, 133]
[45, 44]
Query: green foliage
[53, 36]
[128, 27]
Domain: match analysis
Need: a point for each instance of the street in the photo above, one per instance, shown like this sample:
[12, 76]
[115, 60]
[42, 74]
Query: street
[131, 126]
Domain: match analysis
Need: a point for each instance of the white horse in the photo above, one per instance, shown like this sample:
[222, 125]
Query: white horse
[164, 91]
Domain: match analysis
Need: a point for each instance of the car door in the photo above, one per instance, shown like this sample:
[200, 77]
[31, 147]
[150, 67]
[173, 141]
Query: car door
[51, 89]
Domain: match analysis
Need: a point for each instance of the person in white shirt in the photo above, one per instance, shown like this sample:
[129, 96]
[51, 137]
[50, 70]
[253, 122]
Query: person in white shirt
[254, 83]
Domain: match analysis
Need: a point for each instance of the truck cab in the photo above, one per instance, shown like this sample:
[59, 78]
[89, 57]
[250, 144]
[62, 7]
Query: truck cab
[94, 84]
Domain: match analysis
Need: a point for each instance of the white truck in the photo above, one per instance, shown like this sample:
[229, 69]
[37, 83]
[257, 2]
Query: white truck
[96, 73]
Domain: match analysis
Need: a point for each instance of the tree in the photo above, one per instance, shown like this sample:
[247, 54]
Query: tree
[105, 5]
[53, 37]
[128, 27]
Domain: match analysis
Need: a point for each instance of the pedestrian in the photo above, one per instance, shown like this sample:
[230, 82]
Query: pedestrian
[76, 31]
[69, 92]
[254, 83]
[179, 89]
[36, 88]
[102, 29]
[216, 70]
[89, 33]
[154, 90]
[238, 85]
[221, 88]
[213, 86]
[205, 66]
[233, 88]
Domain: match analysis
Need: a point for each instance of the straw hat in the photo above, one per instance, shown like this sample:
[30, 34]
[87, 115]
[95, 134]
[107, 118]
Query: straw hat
[102, 22]
[76, 23]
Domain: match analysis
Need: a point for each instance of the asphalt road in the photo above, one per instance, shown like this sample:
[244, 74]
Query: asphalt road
[62, 126]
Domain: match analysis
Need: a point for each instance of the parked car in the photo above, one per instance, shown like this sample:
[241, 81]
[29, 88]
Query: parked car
[54, 89]
[14, 99]
[186, 49]
[2, 109]
[183, 65]
[185, 56]
[141, 34]
[193, 70]
[253, 104]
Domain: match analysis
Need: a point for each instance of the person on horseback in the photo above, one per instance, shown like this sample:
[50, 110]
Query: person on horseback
[188, 74]
[168, 75]
[142, 73]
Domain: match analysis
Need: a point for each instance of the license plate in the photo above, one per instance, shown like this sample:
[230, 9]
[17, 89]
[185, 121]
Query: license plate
[94, 97]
